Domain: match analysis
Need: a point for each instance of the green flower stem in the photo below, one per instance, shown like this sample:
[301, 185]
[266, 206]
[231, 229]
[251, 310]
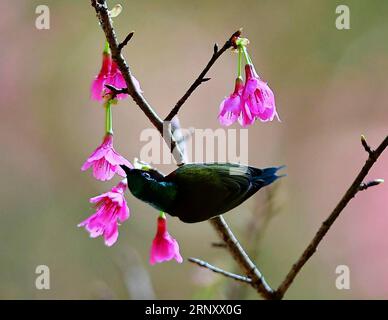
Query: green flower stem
[108, 118]
[162, 215]
[106, 48]
[239, 65]
[246, 55]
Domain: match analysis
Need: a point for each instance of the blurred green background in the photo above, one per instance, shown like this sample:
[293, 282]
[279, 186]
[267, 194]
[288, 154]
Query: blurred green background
[330, 87]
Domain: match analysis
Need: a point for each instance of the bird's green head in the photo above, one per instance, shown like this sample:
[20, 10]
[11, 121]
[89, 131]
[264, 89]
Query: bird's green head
[140, 180]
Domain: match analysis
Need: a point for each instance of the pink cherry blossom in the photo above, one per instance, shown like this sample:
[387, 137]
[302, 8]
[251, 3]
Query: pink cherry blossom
[258, 96]
[111, 208]
[235, 107]
[110, 74]
[231, 106]
[164, 247]
[117, 80]
[105, 161]
[98, 84]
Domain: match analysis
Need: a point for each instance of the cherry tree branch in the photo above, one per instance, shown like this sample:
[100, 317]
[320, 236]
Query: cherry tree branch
[257, 280]
[326, 225]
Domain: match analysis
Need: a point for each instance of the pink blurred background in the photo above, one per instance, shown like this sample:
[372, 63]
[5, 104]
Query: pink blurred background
[330, 87]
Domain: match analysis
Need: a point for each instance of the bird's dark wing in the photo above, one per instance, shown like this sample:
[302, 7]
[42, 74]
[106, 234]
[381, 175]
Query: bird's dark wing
[207, 190]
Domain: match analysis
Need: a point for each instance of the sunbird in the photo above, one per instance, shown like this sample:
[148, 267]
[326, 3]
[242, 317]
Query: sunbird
[197, 192]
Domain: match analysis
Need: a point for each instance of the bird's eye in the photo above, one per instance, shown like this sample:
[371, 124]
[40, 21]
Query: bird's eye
[146, 175]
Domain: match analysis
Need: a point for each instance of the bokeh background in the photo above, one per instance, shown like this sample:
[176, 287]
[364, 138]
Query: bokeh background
[330, 88]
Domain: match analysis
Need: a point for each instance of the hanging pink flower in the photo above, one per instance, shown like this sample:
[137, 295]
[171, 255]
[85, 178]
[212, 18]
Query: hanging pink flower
[110, 74]
[258, 96]
[234, 108]
[254, 100]
[98, 84]
[111, 208]
[231, 106]
[117, 80]
[106, 161]
[164, 247]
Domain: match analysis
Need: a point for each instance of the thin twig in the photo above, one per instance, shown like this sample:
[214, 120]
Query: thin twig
[228, 274]
[115, 91]
[366, 185]
[201, 78]
[126, 40]
[326, 225]
[366, 145]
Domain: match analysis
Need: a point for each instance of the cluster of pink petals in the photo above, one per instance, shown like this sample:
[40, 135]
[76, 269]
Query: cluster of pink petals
[111, 208]
[164, 247]
[110, 74]
[232, 106]
[254, 100]
[105, 161]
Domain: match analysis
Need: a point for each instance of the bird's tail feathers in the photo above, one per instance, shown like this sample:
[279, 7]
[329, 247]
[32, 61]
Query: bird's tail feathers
[268, 175]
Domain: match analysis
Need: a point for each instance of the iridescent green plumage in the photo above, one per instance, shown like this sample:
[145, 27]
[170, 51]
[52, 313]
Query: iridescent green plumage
[198, 192]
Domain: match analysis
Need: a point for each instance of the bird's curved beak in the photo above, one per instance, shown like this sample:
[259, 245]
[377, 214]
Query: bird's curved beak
[126, 169]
